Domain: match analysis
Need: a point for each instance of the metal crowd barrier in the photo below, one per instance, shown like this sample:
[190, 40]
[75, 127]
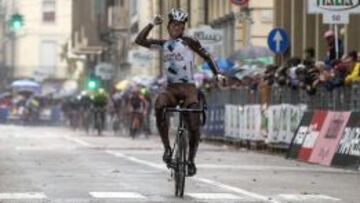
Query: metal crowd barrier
[345, 98]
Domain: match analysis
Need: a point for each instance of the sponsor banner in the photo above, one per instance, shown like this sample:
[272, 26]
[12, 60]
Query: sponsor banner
[253, 122]
[241, 123]
[273, 123]
[348, 149]
[308, 144]
[333, 6]
[283, 121]
[329, 137]
[215, 121]
[231, 121]
[300, 135]
[211, 39]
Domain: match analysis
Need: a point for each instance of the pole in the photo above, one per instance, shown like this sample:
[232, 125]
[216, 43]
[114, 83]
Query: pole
[336, 41]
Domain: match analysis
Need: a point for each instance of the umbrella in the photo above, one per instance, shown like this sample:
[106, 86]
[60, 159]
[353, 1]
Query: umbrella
[224, 64]
[143, 80]
[122, 85]
[26, 85]
[251, 52]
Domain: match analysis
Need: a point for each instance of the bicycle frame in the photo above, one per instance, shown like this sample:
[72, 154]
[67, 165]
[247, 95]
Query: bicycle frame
[179, 151]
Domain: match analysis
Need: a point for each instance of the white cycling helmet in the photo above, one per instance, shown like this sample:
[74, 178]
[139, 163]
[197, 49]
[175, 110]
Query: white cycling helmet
[178, 15]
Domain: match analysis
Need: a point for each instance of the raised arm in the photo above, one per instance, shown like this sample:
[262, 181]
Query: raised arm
[142, 39]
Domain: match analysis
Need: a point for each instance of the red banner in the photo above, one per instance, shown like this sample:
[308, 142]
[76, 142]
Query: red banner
[312, 135]
[329, 137]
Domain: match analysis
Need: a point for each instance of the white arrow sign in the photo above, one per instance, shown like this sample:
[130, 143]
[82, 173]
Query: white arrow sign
[278, 38]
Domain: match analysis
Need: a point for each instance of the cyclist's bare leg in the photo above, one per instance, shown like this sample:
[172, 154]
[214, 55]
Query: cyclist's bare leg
[193, 124]
[162, 123]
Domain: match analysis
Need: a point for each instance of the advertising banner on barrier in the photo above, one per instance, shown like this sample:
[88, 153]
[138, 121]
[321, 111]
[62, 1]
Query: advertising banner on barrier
[215, 121]
[241, 123]
[316, 124]
[274, 124]
[253, 122]
[283, 121]
[231, 115]
[330, 135]
[348, 150]
[300, 135]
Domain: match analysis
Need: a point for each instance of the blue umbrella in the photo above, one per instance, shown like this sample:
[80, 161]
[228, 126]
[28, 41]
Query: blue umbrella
[224, 64]
[26, 85]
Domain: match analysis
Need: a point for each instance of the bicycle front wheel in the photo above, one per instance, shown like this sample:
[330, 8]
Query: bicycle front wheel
[180, 171]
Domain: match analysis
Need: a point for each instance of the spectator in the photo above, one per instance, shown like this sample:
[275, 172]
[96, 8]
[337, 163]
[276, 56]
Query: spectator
[354, 76]
[331, 57]
[309, 56]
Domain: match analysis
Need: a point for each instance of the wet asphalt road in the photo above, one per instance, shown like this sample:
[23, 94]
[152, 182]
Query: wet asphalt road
[54, 164]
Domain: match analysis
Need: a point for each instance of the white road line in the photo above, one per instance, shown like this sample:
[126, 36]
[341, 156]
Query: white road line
[304, 197]
[213, 196]
[121, 195]
[43, 148]
[237, 190]
[27, 195]
[278, 168]
[79, 141]
[133, 159]
[204, 180]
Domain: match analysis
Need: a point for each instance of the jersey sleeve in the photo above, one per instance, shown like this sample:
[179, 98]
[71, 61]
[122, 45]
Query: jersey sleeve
[195, 45]
[142, 39]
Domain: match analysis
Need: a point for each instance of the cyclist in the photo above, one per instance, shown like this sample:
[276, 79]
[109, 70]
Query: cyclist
[85, 109]
[99, 102]
[177, 61]
[137, 107]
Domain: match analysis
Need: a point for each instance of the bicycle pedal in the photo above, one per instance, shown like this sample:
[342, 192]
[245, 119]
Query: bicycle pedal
[172, 165]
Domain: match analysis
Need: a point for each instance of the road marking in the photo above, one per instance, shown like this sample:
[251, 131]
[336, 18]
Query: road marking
[304, 197]
[27, 195]
[43, 148]
[277, 168]
[122, 195]
[79, 141]
[237, 190]
[204, 180]
[214, 196]
[133, 159]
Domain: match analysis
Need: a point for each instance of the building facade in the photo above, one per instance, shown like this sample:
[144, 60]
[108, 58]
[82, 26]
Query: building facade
[34, 50]
[306, 30]
[239, 26]
[100, 35]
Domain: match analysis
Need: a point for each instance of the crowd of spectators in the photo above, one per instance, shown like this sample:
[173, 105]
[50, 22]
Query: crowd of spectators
[305, 73]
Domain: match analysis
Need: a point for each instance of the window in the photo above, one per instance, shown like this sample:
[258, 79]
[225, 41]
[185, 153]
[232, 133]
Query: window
[48, 14]
[48, 57]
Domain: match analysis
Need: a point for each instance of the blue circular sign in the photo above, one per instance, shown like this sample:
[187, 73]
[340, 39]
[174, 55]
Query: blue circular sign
[239, 2]
[278, 40]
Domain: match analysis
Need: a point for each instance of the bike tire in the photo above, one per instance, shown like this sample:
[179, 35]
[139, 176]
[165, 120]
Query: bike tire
[181, 165]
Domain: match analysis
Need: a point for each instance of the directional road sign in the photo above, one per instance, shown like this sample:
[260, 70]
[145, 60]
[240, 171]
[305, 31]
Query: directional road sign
[278, 40]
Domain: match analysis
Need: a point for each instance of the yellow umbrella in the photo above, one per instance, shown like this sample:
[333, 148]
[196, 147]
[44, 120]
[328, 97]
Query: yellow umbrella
[122, 85]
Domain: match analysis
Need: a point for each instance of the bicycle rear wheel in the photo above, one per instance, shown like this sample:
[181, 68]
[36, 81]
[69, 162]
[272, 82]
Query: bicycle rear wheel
[180, 170]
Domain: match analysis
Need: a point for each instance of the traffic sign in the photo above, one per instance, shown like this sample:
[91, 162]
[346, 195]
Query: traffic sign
[239, 2]
[335, 18]
[278, 40]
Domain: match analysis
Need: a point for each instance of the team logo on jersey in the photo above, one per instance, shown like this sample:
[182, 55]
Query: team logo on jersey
[173, 57]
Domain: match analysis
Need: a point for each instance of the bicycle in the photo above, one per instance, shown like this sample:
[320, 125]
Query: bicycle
[99, 124]
[135, 123]
[179, 161]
